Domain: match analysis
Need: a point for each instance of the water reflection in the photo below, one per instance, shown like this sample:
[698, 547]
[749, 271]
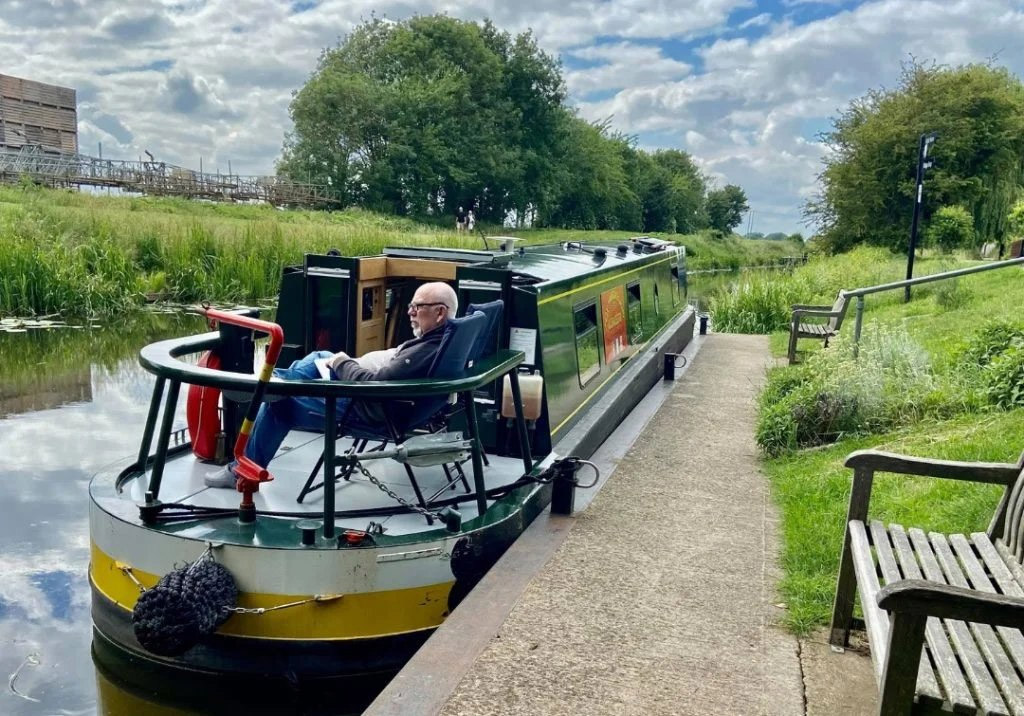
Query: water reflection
[71, 401]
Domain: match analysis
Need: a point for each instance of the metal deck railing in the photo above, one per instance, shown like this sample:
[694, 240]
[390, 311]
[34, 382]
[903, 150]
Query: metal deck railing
[156, 178]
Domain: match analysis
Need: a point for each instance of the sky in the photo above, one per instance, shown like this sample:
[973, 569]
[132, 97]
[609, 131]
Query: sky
[743, 86]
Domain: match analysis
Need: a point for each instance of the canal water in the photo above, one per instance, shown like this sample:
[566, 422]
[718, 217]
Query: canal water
[72, 401]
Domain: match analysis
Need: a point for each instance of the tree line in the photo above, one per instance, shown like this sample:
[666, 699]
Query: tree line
[972, 191]
[421, 117]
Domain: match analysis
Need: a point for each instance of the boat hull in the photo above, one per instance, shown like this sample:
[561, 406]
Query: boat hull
[379, 603]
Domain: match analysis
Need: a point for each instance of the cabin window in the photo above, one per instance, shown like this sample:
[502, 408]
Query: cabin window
[368, 296]
[675, 285]
[636, 325]
[588, 359]
[657, 301]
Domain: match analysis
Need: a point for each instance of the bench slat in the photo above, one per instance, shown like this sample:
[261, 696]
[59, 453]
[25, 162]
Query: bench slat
[974, 662]
[980, 581]
[996, 656]
[1008, 583]
[876, 620]
[927, 686]
[949, 672]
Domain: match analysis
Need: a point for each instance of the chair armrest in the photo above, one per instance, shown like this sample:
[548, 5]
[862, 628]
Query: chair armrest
[917, 596]
[998, 473]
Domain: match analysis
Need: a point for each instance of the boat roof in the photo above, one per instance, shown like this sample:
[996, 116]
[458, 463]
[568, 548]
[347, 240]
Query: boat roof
[550, 262]
[556, 262]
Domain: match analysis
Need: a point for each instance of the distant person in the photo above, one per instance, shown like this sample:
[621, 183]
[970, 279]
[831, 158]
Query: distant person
[432, 305]
[470, 220]
[460, 219]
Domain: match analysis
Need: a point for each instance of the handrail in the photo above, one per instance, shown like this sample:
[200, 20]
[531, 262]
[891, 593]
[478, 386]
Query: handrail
[933, 277]
[162, 359]
[860, 293]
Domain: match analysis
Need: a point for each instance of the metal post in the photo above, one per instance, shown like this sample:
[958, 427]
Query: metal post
[857, 325]
[473, 427]
[922, 153]
[330, 431]
[524, 437]
[147, 433]
[164, 438]
[563, 487]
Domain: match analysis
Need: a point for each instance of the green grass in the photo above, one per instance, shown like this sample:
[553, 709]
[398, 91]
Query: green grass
[88, 255]
[760, 303]
[812, 490]
[924, 396]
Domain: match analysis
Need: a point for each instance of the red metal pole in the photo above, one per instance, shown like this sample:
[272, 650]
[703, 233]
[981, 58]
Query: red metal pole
[249, 474]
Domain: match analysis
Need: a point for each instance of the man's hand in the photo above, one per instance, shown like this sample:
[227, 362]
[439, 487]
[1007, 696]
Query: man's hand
[337, 359]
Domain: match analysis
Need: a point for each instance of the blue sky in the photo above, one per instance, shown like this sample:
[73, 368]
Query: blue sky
[743, 86]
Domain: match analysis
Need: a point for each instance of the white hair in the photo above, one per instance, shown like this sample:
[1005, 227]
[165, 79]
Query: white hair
[443, 293]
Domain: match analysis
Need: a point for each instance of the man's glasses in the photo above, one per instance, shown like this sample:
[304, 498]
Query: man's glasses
[417, 306]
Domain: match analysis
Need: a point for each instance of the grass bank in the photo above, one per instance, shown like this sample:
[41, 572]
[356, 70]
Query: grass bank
[91, 255]
[942, 376]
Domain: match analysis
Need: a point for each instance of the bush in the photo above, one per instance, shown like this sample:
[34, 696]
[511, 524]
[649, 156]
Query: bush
[991, 340]
[1004, 379]
[952, 293]
[951, 227]
[758, 305]
[834, 394]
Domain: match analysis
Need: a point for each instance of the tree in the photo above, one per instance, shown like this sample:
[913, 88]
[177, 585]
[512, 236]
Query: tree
[951, 227]
[867, 188]
[726, 208]
[1015, 221]
[687, 190]
[592, 186]
[428, 114]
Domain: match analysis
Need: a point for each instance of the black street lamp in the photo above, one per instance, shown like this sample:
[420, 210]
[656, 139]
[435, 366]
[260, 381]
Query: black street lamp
[923, 164]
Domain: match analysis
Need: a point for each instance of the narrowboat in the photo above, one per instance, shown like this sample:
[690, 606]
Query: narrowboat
[356, 541]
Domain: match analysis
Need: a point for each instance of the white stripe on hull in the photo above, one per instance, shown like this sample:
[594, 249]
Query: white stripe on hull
[272, 570]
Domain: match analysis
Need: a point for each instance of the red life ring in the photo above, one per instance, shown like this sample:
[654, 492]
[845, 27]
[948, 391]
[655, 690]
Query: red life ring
[203, 414]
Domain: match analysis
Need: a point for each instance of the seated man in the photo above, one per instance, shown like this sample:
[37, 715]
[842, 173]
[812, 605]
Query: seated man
[432, 305]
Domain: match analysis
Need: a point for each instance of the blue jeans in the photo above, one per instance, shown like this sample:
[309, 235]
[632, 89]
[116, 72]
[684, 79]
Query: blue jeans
[277, 418]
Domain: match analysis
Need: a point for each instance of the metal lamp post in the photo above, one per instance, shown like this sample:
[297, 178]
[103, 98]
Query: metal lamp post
[923, 164]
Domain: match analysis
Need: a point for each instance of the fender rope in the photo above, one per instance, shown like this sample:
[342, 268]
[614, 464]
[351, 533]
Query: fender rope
[186, 605]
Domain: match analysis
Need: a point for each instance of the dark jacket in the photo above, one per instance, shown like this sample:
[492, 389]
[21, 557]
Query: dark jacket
[413, 360]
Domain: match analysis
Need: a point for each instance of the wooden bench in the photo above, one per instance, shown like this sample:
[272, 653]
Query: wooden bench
[798, 329]
[943, 613]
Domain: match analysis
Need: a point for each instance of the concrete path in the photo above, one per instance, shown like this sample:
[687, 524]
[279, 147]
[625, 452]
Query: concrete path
[661, 599]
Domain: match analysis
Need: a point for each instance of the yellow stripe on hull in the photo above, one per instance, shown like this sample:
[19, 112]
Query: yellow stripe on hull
[354, 616]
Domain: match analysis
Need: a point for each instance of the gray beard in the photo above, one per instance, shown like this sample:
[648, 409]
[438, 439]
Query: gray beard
[416, 331]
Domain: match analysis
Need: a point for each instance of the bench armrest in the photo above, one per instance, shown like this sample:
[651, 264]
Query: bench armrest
[917, 596]
[998, 473]
[797, 313]
[809, 307]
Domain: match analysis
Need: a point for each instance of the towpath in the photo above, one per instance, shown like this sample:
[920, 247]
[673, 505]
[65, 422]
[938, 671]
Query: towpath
[659, 598]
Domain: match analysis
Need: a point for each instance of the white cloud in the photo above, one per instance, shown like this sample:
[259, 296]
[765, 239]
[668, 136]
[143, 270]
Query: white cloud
[623, 65]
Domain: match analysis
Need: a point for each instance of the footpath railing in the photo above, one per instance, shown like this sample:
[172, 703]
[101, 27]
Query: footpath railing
[860, 293]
